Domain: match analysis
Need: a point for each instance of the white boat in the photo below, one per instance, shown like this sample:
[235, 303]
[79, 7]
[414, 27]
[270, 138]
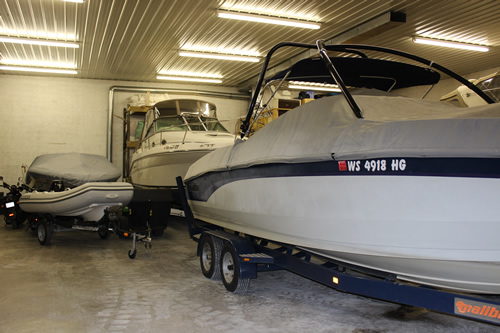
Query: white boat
[396, 184]
[465, 97]
[87, 201]
[176, 133]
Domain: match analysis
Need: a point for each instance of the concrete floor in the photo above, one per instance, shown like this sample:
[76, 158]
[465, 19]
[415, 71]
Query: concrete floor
[81, 283]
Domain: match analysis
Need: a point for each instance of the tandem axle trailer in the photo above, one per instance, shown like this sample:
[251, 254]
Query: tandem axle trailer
[236, 258]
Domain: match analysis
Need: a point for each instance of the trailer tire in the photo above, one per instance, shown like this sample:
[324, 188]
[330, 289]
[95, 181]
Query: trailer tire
[104, 233]
[15, 225]
[157, 232]
[44, 232]
[230, 269]
[211, 248]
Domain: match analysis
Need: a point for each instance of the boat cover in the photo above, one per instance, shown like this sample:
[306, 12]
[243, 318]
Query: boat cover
[392, 126]
[74, 169]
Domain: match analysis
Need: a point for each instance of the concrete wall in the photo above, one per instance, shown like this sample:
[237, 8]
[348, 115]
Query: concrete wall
[41, 115]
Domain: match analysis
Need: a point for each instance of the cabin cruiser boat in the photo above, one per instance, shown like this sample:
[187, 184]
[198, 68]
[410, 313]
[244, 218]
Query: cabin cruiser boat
[176, 133]
[465, 97]
[366, 177]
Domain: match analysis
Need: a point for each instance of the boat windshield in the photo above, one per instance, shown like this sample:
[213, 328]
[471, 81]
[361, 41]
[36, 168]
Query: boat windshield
[188, 122]
[491, 86]
[170, 124]
[213, 124]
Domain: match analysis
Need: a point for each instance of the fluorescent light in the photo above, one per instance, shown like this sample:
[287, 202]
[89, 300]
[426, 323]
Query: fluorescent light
[268, 19]
[194, 74]
[190, 79]
[456, 45]
[300, 85]
[218, 56]
[291, 13]
[37, 34]
[38, 42]
[221, 50]
[35, 63]
[39, 70]
[77, 1]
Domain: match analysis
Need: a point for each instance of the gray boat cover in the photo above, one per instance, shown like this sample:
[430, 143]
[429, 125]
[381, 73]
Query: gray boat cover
[74, 169]
[392, 126]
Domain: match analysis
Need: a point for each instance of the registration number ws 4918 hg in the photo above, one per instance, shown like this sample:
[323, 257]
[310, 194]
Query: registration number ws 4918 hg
[378, 165]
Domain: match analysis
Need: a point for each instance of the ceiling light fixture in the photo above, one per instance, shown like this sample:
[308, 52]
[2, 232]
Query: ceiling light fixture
[38, 42]
[444, 43]
[218, 56]
[267, 19]
[77, 1]
[37, 34]
[193, 74]
[300, 85]
[39, 70]
[35, 63]
[220, 50]
[189, 79]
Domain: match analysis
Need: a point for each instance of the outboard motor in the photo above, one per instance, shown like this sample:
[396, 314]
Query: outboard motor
[57, 186]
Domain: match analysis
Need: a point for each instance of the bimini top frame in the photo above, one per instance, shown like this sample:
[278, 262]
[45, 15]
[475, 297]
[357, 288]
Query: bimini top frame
[359, 71]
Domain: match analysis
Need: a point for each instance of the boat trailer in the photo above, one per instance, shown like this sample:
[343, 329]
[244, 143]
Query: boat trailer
[236, 259]
[146, 215]
[46, 224]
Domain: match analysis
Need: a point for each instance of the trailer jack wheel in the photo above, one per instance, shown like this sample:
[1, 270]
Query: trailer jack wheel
[132, 254]
[230, 269]
[44, 232]
[211, 248]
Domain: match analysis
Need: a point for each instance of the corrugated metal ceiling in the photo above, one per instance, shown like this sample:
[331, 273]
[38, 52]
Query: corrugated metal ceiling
[134, 40]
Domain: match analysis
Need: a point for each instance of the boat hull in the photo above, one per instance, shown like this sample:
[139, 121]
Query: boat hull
[433, 230]
[87, 201]
[165, 155]
[160, 169]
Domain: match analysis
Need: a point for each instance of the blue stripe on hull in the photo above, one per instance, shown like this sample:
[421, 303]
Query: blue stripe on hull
[202, 187]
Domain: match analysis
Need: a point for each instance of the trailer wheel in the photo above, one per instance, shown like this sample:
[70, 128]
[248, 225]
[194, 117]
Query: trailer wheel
[15, 225]
[230, 269]
[132, 254]
[210, 257]
[44, 232]
[104, 233]
[157, 232]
